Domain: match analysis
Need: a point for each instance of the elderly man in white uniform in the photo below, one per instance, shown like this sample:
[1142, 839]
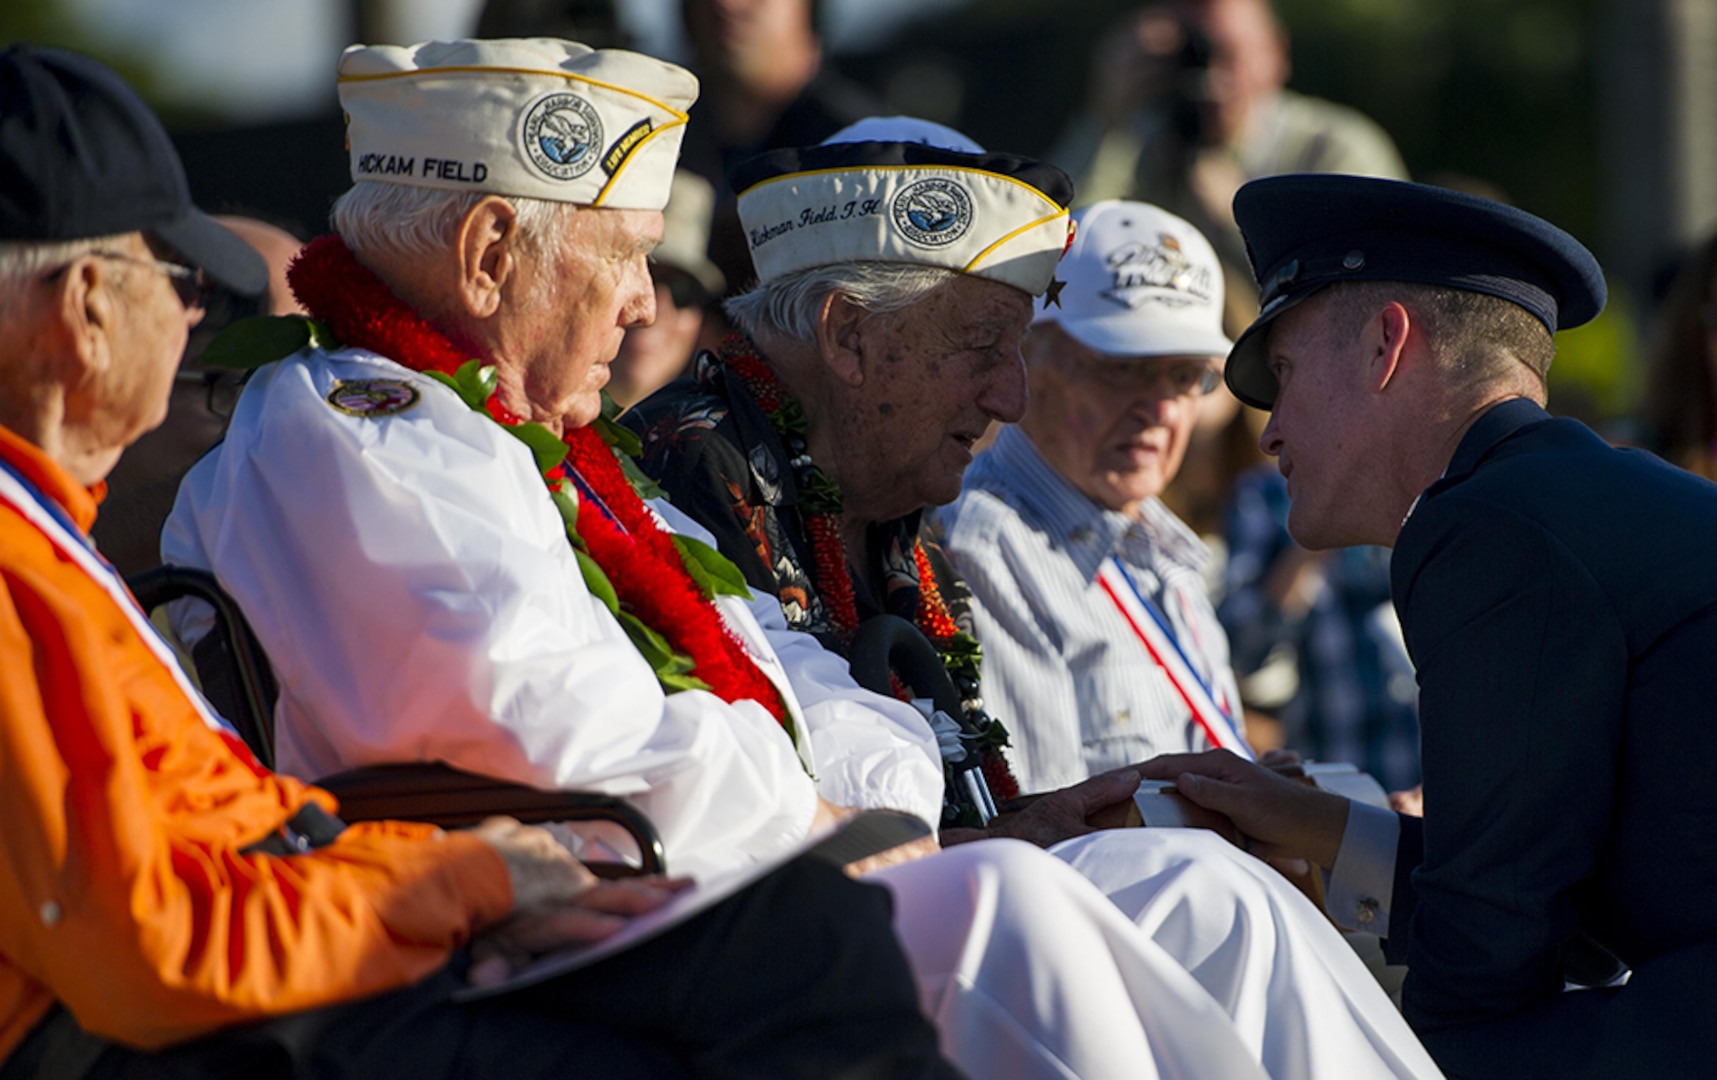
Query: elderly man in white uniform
[446, 560]
[1100, 642]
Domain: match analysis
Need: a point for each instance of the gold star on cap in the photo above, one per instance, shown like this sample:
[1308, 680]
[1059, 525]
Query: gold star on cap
[1053, 294]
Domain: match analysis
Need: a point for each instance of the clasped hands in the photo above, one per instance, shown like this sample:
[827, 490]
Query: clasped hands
[1270, 815]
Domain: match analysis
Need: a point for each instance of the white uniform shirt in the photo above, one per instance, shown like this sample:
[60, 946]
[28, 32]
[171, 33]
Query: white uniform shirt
[1062, 669]
[413, 586]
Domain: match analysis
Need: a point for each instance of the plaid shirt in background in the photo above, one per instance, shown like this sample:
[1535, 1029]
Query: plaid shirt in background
[1356, 699]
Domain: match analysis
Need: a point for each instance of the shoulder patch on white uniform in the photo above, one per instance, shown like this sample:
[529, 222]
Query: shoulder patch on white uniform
[372, 397]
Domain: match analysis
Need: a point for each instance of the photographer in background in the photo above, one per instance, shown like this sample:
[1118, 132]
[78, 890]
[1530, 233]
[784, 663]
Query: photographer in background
[1188, 102]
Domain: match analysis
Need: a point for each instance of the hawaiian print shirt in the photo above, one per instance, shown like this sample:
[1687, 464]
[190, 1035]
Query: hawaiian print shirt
[720, 459]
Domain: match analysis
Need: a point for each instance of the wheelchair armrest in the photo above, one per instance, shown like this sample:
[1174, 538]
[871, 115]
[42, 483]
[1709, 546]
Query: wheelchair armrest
[230, 662]
[448, 797]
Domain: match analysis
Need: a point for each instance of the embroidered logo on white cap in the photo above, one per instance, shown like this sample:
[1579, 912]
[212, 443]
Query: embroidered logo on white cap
[997, 216]
[530, 117]
[933, 212]
[1139, 281]
[1158, 271]
[561, 134]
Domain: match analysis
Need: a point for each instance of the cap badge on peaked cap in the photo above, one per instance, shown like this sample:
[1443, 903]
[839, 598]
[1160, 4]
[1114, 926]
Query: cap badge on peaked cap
[1307, 231]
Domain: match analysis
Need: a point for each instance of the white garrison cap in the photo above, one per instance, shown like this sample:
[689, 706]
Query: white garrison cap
[904, 129]
[905, 198]
[535, 117]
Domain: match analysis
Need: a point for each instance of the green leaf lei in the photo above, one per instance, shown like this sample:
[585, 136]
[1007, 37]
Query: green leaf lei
[251, 343]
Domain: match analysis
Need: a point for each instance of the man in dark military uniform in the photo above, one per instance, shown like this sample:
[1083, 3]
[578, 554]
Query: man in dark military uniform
[1559, 599]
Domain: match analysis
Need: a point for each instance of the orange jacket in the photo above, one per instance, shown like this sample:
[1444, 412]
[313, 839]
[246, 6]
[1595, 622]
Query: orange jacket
[124, 892]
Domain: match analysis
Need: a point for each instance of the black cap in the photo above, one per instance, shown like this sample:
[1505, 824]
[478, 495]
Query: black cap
[82, 156]
[1306, 231]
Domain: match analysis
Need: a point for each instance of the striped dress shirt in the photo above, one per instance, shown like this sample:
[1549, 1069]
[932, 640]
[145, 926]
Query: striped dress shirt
[1061, 666]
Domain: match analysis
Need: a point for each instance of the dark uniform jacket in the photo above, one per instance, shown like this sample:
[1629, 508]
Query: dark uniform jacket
[1559, 600]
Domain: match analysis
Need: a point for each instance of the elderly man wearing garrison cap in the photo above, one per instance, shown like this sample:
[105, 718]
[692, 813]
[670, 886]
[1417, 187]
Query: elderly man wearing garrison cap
[897, 266]
[170, 907]
[1559, 600]
[447, 560]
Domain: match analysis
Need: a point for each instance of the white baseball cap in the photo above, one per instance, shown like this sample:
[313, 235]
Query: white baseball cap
[1138, 281]
[536, 117]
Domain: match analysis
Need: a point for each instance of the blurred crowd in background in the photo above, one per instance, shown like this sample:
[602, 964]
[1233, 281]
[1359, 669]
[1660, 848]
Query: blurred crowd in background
[1598, 114]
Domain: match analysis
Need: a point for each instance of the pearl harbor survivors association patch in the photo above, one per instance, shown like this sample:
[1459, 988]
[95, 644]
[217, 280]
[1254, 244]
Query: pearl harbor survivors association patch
[374, 398]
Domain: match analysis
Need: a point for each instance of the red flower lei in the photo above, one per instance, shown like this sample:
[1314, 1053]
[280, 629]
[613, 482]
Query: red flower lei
[650, 577]
[822, 521]
[636, 553]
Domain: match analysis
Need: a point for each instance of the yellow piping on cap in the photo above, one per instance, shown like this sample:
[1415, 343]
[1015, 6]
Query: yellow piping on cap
[549, 72]
[979, 257]
[631, 155]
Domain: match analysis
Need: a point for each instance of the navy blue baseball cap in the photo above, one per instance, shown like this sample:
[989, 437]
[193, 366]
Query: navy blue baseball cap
[1306, 231]
[82, 156]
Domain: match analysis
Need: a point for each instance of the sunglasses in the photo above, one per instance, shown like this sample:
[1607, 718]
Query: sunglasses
[189, 283]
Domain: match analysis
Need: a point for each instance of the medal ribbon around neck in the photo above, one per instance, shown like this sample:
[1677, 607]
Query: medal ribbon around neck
[660, 586]
[70, 541]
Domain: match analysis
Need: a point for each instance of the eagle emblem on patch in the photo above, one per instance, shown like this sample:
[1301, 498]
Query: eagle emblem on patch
[563, 136]
[374, 398]
[933, 212]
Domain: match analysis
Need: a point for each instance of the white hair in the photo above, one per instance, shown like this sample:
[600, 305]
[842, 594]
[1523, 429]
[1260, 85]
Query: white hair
[791, 304]
[404, 220]
[23, 261]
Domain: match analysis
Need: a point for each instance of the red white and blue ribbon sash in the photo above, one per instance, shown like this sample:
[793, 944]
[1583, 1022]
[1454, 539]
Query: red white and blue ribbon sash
[68, 539]
[1209, 711]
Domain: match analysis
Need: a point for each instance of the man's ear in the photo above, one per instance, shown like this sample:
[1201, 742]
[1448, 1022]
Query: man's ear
[839, 337]
[488, 251]
[1386, 344]
[85, 313]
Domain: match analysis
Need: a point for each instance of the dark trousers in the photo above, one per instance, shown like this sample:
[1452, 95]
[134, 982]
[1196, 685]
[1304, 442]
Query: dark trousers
[798, 976]
[1659, 1025]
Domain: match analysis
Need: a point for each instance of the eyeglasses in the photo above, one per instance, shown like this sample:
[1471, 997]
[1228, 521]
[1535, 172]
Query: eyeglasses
[1181, 378]
[190, 284]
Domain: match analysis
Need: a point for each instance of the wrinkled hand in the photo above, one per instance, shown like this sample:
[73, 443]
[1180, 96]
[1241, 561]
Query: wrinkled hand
[542, 871]
[1098, 803]
[1281, 818]
[600, 910]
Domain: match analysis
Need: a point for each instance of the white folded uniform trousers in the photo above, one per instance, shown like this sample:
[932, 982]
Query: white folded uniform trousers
[1200, 961]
